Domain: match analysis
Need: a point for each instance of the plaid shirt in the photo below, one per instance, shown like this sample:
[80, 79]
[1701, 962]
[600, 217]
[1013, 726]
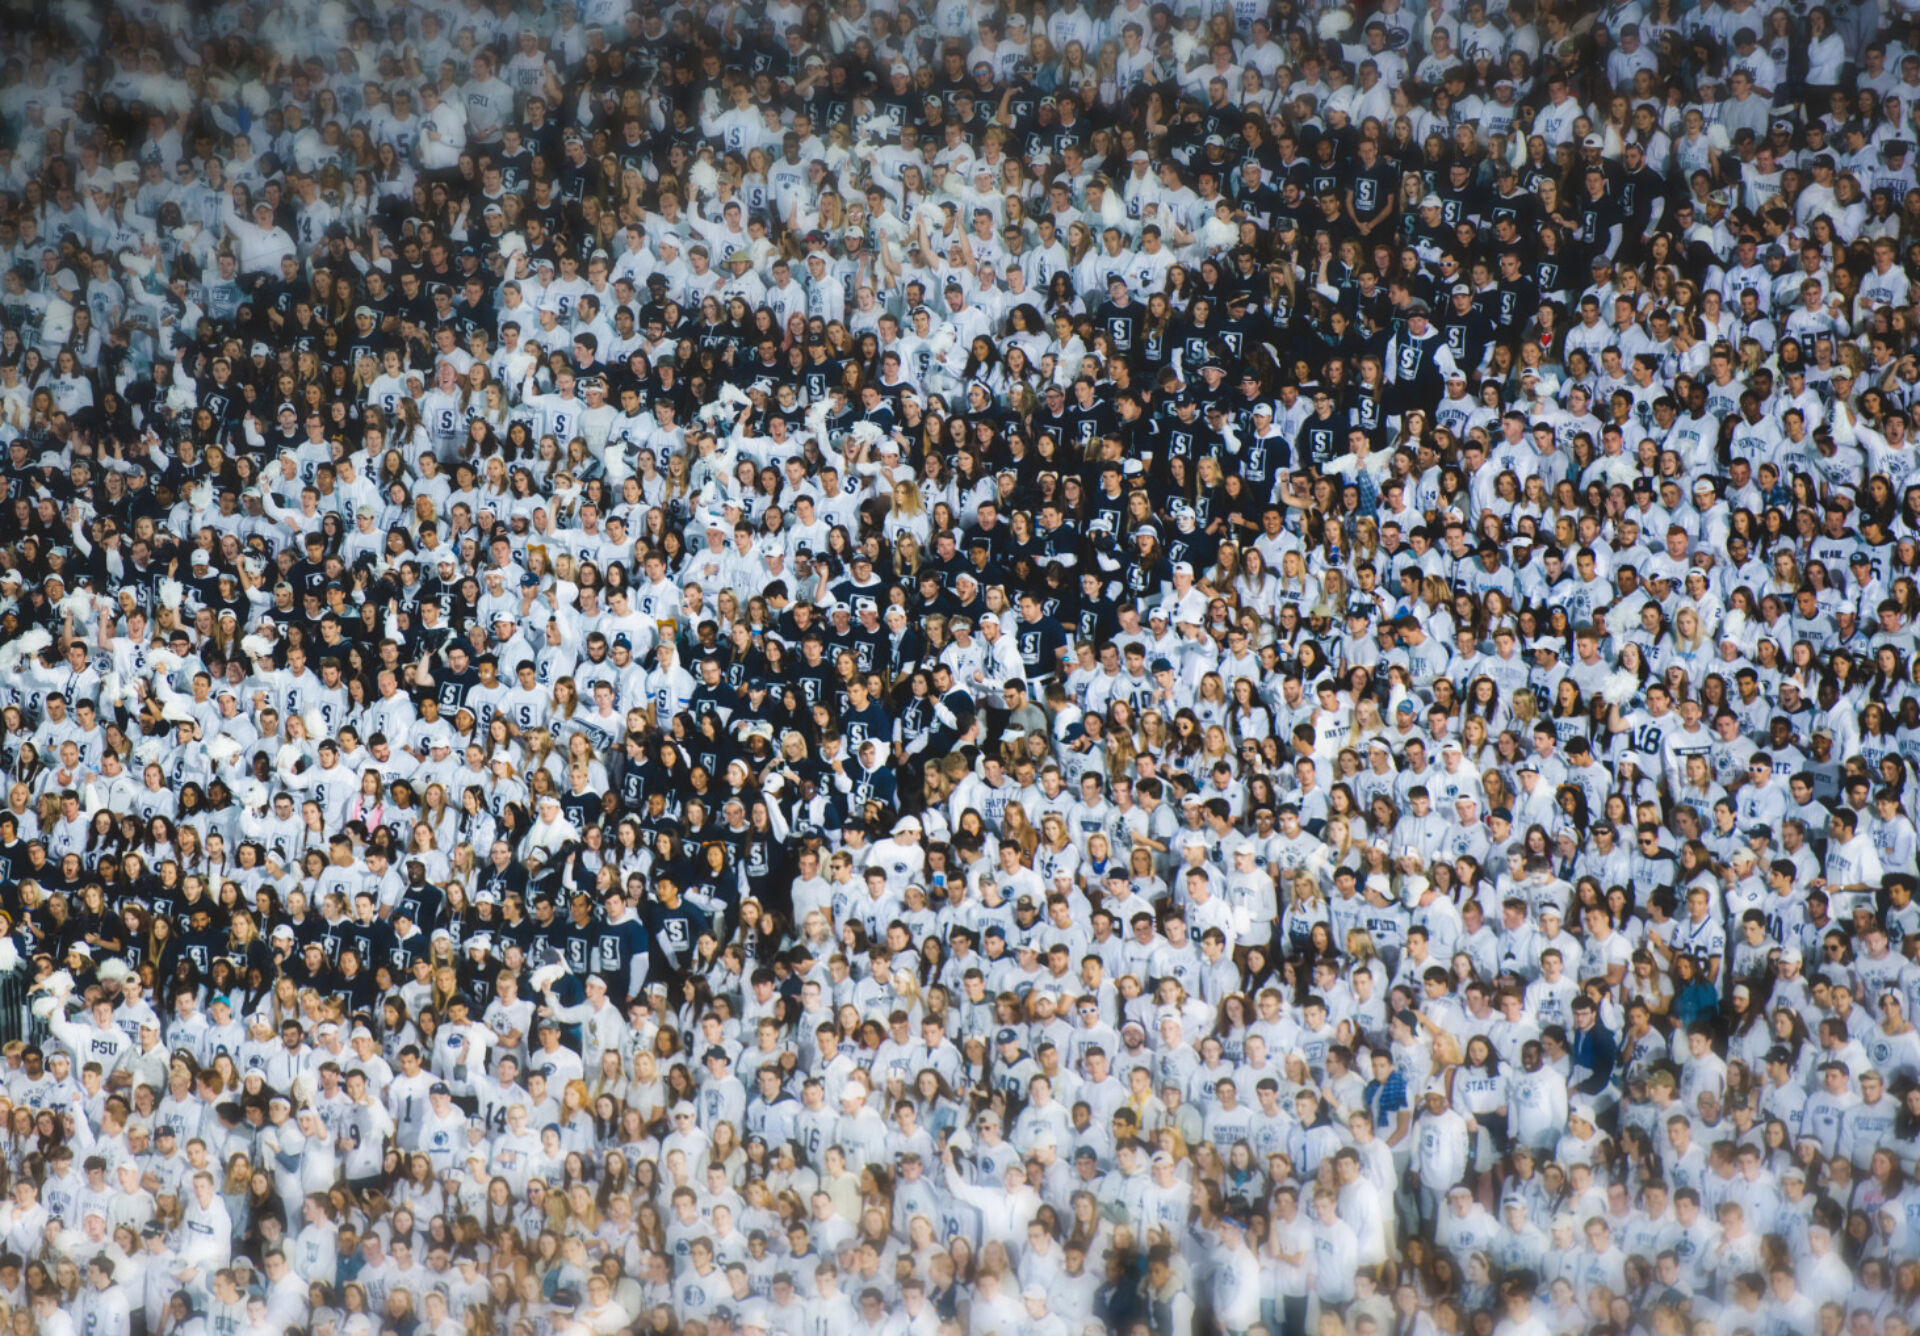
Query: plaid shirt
[1386, 1098]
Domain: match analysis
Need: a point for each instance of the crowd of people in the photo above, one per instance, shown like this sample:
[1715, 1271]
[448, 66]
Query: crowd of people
[960, 668]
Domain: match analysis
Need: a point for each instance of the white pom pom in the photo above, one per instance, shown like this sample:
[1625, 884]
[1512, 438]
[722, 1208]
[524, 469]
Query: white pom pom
[544, 978]
[200, 495]
[256, 646]
[175, 711]
[9, 956]
[171, 592]
[316, 723]
[733, 397]
[287, 757]
[817, 419]
[867, 433]
[59, 984]
[253, 794]
[165, 660]
[223, 749]
[44, 1007]
[704, 178]
[1619, 689]
[32, 642]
